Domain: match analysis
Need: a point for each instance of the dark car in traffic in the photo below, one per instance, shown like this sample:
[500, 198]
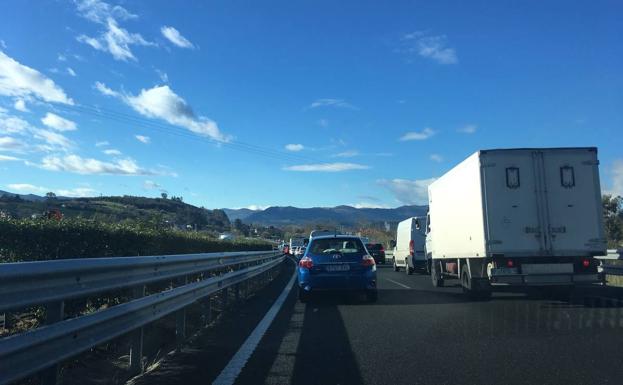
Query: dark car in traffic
[377, 251]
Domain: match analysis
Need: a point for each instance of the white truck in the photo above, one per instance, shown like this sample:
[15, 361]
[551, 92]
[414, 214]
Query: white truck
[410, 243]
[517, 217]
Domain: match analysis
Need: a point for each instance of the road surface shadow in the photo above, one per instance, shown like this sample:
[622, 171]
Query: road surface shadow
[324, 355]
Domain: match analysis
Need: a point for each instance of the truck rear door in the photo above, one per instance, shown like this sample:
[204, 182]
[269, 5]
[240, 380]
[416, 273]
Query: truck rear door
[571, 180]
[513, 205]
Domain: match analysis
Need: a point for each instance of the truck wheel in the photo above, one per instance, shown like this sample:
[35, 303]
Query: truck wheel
[408, 270]
[435, 274]
[395, 267]
[474, 293]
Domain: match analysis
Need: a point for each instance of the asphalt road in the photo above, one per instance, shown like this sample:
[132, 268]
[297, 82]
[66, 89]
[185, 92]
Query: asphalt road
[417, 334]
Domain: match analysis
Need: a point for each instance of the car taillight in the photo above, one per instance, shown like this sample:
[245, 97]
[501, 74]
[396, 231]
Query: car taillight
[306, 263]
[586, 262]
[411, 248]
[382, 250]
[368, 261]
[510, 263]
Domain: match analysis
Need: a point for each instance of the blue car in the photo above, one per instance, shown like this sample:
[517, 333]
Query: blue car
[336, 262]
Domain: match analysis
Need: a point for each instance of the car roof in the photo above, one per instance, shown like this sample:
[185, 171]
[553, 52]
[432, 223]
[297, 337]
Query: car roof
[336, 236]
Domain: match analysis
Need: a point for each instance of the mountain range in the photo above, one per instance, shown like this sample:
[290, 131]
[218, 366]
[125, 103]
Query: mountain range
[340, 215]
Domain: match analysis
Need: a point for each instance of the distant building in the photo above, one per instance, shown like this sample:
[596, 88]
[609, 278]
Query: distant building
[225, 237]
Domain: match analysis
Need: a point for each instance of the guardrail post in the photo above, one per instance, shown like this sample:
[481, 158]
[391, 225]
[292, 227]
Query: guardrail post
[225, 297]
[54, 312]
[180, 323]
[136, 339]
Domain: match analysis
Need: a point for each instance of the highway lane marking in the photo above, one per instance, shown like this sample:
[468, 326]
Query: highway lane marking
[397, 283]
[231, 372]
[282, 369]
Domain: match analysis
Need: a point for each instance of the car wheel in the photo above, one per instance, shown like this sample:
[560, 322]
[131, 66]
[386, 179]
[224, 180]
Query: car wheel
[408, 269]
[395, 267]
[435, 274]
[372, 295]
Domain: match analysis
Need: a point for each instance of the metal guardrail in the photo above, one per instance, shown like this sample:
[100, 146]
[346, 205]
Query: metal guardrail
[52, 282]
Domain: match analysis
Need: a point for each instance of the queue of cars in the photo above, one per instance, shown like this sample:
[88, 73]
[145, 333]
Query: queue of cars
[512, 217]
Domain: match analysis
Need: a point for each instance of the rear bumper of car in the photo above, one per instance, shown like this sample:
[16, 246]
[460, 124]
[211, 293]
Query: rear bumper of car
[331, 281]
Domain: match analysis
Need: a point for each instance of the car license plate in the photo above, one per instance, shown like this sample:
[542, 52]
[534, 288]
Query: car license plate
[341, 267]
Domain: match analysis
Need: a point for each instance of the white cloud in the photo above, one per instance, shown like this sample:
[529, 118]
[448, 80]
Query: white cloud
[8, 143]
[429, 46]
[294, 147]
[54, 141]
[143, 139]
[112, 152]
[368, 205]
[347, 154]
[328, 102]
[30, 188]
[6, 158]
[102, 143]
[20, 105]
[175, 37]
[162, 75]
[257, 207]
[323, 123]
[10, 124]
[79, 165]
[327, 167]
[27, 187]
[151, 185]
[61, 57]
[77, 192]
[18, 80]
[436, 158]
[116, 41]
[58, 123]
[617, 179]
[418, 135]
[71, 72]
[99, 11]
[468, 129]
[162, 103]
[2, 44]
[101, 87]
[409, 192]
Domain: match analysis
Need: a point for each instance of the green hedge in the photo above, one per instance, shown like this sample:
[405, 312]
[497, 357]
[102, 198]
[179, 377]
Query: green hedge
[33, 240]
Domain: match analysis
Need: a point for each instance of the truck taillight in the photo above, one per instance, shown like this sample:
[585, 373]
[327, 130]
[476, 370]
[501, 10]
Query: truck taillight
[411, 248]
[510, 263]
[586, 262]
[306, 263]
[368, 261]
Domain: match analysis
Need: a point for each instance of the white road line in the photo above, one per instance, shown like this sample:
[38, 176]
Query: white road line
[397, 283]
[231, 372]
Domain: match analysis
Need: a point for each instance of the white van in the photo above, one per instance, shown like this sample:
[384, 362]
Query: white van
[410, 242]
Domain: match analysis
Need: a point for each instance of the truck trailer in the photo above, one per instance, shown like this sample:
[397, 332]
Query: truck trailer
[517, 217]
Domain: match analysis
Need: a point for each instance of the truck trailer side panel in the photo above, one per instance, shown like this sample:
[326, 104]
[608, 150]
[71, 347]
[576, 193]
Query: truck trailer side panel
[456, 208]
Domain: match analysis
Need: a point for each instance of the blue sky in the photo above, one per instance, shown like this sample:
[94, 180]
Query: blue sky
[238, 104]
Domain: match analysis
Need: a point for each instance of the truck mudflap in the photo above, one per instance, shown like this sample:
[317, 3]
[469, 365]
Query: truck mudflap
[546, 279]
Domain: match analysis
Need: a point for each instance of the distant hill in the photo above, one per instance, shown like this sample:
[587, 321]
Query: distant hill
[173, 212]
[241, 214]
[340, 215]
[26, 197]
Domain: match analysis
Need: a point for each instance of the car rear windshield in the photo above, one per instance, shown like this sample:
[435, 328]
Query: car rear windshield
[337, 245]
[374, 246]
